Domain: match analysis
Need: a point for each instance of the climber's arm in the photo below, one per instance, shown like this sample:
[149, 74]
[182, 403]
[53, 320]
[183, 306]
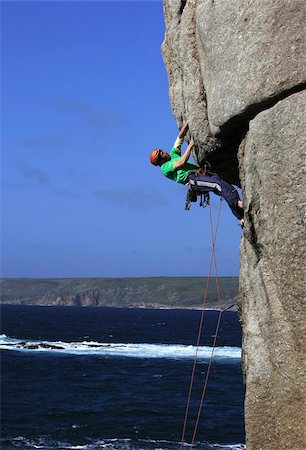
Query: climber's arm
[184, 158]
[183, 131]
[180, 137]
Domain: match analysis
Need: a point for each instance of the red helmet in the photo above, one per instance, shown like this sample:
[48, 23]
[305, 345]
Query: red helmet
[154, 156]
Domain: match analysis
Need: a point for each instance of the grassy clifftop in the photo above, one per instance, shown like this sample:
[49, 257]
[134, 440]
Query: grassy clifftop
[156, 292]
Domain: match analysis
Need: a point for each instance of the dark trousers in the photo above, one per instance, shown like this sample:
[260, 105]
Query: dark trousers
[214, 183]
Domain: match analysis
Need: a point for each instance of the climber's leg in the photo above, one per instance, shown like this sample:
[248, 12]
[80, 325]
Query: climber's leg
[220, 187]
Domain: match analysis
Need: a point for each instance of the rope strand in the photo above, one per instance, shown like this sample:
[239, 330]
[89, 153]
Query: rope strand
[214, 342]
[212, 257]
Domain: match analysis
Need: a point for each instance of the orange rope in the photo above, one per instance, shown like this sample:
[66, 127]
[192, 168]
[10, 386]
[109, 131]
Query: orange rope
[212, 257]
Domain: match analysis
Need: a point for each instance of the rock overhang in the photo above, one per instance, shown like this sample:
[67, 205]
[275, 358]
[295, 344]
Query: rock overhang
[227, 61]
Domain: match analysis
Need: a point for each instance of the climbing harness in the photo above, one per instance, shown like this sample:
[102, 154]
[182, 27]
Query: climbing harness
[212, 260]
[192, 196]
[194, 190]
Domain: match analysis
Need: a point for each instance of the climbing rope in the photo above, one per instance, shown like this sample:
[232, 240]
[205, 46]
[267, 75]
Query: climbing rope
[212, 259]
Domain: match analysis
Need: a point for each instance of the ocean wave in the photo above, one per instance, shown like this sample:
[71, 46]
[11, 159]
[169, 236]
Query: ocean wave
[111, 444]
[168, 351]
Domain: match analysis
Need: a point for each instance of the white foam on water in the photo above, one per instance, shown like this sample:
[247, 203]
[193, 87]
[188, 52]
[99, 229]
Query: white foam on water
[115, 444]
[229, 446]
[172, 351]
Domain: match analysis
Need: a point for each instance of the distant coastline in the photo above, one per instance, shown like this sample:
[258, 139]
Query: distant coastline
[146, 292]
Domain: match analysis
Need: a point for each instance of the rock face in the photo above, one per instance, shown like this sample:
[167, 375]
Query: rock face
[272, 281]
[227, 61]
[237, 73]
[253, 53]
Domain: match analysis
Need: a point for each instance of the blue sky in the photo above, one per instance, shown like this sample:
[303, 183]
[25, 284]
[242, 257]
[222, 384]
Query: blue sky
[84, 100]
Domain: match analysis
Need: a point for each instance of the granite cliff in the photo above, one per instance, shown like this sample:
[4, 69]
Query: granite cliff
[237, 73]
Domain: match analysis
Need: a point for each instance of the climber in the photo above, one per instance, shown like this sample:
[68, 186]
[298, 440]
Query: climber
[176, 167]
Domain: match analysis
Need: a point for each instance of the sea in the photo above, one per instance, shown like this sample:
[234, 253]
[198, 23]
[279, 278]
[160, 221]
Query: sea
[118, 379]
